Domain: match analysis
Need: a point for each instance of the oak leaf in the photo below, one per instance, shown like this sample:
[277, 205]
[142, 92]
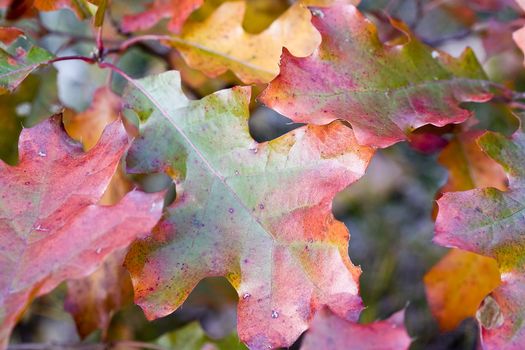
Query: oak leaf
[384, 91]
[501, 315]
[331, 332]
[178, 11]
[220, 43]
[18, 58]
[257, 213]
[94, 299]
[490, 222]
[86, 127]
[457, 285]
[51, 228]
[469, 167]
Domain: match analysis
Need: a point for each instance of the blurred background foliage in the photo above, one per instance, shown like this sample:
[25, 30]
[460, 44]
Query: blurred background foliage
[388, 212]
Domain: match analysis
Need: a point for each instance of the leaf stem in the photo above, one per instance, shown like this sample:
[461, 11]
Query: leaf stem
[116, 69]
[138, 39]
[89, 60]
[100, 44]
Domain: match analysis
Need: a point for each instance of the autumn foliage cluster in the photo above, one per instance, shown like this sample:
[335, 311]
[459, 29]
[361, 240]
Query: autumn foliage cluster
[132, 170]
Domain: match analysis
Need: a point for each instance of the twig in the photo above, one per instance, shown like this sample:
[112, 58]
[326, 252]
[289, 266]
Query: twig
[137, 40]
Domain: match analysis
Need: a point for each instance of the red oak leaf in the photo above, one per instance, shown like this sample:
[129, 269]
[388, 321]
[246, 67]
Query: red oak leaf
[489, 222]
[384, 91]
[331, 332]
[51, 227]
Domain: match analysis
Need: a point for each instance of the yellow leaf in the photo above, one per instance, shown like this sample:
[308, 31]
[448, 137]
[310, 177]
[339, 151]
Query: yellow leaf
[457, 284]
[220, 42]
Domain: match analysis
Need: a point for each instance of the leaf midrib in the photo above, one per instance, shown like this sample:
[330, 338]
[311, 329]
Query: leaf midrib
[200, 155]
[184, 42]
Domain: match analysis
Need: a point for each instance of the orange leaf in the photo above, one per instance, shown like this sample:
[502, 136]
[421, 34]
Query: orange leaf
[87, 126]
[457, 284]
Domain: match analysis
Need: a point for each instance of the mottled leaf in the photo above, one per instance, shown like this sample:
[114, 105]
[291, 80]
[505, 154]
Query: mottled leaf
[501, 317]
[51, 228]
[257, 213]
[18, 58]
[331, 332]
[220, 42]
[384, 91]
[94, 299]
[490, 222]
[457, 285]
[178, 11]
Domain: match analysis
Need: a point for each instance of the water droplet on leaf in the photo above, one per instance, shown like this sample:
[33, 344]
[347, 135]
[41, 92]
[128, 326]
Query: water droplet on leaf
[317, 13]
[41, 228]
[489, 314]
